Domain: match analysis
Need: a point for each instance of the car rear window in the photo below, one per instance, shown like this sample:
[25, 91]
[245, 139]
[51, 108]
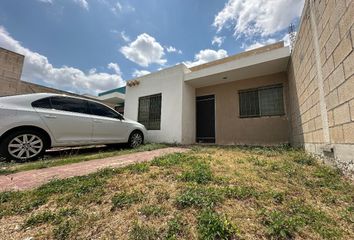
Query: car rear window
[42, 103]
[69, 104]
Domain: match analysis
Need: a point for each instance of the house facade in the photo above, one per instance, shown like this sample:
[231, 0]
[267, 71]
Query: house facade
[236, 100]
[267, 96]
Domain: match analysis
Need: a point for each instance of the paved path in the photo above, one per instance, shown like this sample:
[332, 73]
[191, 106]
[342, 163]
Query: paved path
[35, 178]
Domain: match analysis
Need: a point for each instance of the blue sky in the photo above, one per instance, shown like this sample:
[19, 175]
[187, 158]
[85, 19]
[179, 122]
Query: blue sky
[88, 46]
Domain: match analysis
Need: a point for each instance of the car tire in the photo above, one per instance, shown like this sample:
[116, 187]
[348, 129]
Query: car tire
[23, 145]
[136, 139]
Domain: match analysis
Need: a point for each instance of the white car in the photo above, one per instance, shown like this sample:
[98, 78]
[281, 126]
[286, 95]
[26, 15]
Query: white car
[32, 123]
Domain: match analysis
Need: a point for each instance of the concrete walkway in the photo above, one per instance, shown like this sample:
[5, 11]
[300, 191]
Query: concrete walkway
[35, 178]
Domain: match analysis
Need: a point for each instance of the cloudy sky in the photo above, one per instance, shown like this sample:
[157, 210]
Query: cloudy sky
[89, 46]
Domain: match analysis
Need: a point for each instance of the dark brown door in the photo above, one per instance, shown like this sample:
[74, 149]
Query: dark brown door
[206, 119]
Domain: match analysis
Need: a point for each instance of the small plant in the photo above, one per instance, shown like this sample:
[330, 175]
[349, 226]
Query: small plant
[139, 168]
[125, 199]
[328, 177]
[200, 173]
[196, 196]
[50, 217]
[152, 211]
[176, 228]
[278, 197]
[241, 192]
[304, 159]
[143, 232]
[62, 232]
[213, 226]
[41, 218]
[256, 161]
[280, 225]
[284, 224]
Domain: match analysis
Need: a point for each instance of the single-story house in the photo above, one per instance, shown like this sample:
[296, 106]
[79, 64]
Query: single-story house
[241, 99]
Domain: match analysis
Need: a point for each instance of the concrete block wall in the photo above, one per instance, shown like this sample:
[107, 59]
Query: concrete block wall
[11, 64]
[321, 82]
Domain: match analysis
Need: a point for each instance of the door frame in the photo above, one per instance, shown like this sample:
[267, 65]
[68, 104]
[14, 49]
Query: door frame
[207, 98]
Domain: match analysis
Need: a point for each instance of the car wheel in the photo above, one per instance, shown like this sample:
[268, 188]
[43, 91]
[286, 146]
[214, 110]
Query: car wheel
[23, 145]
[136, 139]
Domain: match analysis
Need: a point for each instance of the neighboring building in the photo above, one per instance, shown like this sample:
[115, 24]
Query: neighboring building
[115, 97]
[267, 96]
[11, 64]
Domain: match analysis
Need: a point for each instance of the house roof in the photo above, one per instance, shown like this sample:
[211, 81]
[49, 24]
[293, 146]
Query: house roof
[113, 96]
[256, 51]
[259, 62]
[118, 90]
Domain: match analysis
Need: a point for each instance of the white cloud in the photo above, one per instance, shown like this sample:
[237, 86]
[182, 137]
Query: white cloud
[139, 73]
[206, 55]
[171, 49]
[115, 67]
[118, 8]
[37, 68]
[144, 50]
[46, 1]
[124, 36]
[263, 17]
[83, 4]
[218, 41]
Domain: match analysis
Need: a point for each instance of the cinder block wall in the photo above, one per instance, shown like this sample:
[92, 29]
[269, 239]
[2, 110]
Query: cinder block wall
[11, 65]
[321, 82]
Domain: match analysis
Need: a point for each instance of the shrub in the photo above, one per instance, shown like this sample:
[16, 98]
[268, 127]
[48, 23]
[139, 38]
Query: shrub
[125, 199]
[213, 226]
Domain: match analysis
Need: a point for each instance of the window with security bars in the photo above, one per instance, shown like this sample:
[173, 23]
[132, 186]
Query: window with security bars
[150, 111]
[266, 101]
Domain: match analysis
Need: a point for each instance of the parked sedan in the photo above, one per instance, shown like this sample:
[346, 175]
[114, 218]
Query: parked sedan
[32, 123]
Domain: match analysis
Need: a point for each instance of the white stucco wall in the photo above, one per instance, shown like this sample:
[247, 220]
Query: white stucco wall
[188, 112]
[169, 82]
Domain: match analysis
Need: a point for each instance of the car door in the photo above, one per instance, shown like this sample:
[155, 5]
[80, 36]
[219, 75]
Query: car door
[108, 125]
[68, 120]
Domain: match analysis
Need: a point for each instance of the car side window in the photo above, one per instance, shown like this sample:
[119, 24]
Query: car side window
[42, 103]
[103, 111]
[69, 104]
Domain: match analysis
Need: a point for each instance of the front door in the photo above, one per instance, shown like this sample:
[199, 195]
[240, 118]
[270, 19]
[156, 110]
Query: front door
[206, 119]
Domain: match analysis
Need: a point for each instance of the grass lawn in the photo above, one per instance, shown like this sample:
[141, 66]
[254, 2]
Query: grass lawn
[207, 193]
[68, 157]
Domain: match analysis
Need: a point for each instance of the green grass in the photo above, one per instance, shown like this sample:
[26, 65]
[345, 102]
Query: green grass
[8, 168]
[199, 172]
[213, 226]
[125, 199]
[142, 232]
[199, 196]
[152, 211]
[208, 193]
